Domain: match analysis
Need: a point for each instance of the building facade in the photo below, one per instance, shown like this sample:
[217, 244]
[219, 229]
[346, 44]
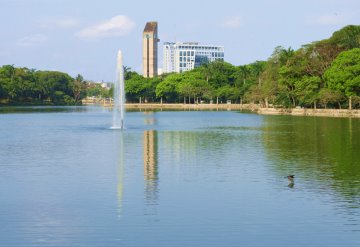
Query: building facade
[150, 49]
[185, 56]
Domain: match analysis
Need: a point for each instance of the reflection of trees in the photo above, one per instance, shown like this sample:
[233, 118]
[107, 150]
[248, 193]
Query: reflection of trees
[194, 148]
[323, 150]
[150, 165]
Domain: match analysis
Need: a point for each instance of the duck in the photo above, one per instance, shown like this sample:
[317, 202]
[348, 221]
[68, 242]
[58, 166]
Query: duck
[291, 181]
[290, 178]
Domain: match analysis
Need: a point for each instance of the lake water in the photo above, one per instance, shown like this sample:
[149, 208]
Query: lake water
[177, 178]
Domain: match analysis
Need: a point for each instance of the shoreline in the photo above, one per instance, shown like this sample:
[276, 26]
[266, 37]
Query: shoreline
[337, 113]
[255, 108]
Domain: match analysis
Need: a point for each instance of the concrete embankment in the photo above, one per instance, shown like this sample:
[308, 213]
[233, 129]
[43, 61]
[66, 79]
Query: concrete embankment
[251, 107]
[310, 112]
[247, 107]
[222, 107]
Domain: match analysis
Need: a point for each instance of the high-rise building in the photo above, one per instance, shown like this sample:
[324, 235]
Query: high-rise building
[184, 56]
[150, 49]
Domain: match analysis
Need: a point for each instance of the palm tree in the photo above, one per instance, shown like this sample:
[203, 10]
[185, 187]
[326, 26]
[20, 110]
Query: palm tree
[285, 55]
[257, 69]
[205, 70]
[78, 87]
[244, 70]
[127, 72]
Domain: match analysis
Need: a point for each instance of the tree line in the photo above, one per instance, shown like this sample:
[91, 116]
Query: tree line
[324, 74]
[321, 74]
[29, 86]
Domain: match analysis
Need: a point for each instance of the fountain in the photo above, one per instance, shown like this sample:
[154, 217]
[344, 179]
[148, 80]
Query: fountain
[119, 95]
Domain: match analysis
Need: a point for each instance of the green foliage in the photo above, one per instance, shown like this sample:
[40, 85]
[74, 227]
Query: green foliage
[306, 90]
[137, 86]
[347, 37]
[166, 89]
[329, 96]
[316, 72]
[96, 90]
[226, 92]
[54, 86]
[28, 86]
[344, 74]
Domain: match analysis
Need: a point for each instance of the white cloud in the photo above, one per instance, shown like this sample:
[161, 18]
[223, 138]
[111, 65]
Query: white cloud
[333, 19]
[33, 40]
[119, 25]
[233, 22]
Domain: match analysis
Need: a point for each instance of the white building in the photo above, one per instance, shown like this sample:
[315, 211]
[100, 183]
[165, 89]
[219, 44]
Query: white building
[184, 56]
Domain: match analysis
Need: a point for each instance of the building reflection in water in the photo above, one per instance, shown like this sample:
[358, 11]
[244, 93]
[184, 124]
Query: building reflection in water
[150, 166]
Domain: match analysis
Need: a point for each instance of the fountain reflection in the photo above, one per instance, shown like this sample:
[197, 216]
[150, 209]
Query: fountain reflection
[120, 172]
[150, 166]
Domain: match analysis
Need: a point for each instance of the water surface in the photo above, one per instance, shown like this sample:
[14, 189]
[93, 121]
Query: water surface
[177, 179]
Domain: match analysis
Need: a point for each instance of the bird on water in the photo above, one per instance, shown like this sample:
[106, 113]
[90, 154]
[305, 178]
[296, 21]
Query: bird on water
[291, 178]
[291, 181]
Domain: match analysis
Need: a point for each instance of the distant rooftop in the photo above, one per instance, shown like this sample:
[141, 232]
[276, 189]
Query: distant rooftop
[151, 26]
[190, 44]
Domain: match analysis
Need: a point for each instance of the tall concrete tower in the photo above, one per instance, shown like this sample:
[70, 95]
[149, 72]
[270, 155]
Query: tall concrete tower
[150, 50]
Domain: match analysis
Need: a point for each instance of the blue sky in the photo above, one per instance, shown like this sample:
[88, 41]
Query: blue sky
[82, 37]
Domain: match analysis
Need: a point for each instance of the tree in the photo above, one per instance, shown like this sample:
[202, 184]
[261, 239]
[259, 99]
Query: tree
[150, 87]
[127, 72]
[217, 73]
[301, 76]
[269, 86]
[348, 37]
[329, 96]
[167, 88]
[55, 85]
[7, 79]
[96, 90]
[306, 90]
[186, 89]
[198, 87]
[137, 86]
[256, 69]
[344, 74]
[134, 87]
[243, 73]
[255, 94]
[78, 88]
